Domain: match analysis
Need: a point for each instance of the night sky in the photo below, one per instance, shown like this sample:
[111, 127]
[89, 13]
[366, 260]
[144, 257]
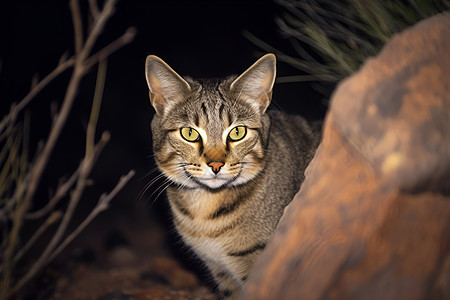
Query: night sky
[196, 38]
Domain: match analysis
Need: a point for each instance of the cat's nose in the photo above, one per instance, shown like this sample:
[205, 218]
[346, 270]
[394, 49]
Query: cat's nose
[216, 165]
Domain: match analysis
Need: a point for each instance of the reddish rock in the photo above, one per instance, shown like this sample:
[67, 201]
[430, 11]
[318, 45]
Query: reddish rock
[372, 219]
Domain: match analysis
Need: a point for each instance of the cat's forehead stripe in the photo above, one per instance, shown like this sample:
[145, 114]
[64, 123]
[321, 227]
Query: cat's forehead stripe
[221, 111]
[196, 120]
[212, 107]
[203, 106]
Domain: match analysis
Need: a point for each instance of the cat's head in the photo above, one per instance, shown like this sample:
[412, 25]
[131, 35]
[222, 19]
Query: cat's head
[210, 133]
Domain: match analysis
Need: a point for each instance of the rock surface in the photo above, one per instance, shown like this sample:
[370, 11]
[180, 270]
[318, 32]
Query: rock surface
[372, 219]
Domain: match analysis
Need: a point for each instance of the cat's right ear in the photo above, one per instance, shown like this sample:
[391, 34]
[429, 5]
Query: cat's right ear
[257, 82]
[165, 85]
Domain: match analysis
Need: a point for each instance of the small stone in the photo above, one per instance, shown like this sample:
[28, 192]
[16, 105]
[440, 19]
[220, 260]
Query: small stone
[175, 274]
[122, 256]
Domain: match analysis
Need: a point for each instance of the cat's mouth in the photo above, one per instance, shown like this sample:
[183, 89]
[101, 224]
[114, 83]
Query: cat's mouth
[213, 182]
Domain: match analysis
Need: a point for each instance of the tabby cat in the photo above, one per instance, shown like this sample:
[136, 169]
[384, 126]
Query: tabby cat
[233, 164]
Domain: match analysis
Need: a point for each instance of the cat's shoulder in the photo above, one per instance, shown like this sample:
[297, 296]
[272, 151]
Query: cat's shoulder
[293, 127]
[286, 121]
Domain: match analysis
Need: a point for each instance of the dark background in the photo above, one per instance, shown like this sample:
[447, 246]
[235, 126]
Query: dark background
[197, 38]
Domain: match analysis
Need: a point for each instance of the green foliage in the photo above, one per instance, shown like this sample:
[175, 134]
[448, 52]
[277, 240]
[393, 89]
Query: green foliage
[333, 38]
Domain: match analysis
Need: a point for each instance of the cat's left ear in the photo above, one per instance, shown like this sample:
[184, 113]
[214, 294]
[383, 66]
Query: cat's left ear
[165, 85]
[257, 82]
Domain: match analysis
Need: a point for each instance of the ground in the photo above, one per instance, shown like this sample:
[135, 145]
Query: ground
[121, 258]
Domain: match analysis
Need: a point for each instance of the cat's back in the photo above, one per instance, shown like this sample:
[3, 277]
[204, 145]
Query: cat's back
[292, 138]
[291, 145]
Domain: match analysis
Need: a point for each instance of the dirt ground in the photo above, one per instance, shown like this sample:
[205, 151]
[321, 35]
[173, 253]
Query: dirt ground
[122, 257]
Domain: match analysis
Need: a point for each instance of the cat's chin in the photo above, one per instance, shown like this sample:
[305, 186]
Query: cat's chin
[217, 184]
[214, 183]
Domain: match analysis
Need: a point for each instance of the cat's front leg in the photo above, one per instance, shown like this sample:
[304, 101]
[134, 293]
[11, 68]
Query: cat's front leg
[228, 287]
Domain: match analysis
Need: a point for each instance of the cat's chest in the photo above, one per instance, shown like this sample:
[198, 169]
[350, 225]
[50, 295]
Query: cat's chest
[197, 219]
[211, 248]
[199, 205]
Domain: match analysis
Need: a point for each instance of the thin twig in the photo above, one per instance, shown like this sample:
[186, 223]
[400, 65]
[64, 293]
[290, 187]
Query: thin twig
[37, 168]
[77, 25]
[69, 98]
[126, 38]
[102, 204]
[55, 216]
[99, 24]
[15, 109]
[95, 110]
[86, 166]
[57, 127]
[61, 191]
[94, 8]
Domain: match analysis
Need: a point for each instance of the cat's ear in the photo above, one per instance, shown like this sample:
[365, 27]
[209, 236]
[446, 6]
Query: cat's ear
[166, 86]
[257, 82]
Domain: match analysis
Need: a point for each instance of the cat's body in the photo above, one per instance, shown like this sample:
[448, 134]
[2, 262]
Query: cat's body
[234, 166]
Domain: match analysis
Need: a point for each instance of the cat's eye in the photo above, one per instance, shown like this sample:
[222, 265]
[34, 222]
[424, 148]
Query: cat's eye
[190, 134]
[237, 133]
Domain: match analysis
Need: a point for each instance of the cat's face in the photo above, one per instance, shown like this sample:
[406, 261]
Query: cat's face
[210, 134]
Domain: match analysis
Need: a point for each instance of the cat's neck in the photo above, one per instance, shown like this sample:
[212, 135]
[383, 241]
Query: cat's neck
[207, 204]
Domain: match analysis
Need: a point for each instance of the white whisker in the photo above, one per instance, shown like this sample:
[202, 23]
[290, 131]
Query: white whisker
[150, 184]
[167, 184]
[184, 184]
[162, 186]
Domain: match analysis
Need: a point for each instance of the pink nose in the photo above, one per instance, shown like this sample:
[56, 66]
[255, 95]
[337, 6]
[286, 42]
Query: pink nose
[216, 165]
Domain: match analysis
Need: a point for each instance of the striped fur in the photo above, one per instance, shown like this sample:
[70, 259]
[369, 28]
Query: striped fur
[227, 217]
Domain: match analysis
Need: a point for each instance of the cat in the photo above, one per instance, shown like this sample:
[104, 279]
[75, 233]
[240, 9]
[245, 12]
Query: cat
[233, 164]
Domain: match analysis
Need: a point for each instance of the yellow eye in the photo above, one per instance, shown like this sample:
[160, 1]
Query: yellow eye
[190, 134]
[237, 133]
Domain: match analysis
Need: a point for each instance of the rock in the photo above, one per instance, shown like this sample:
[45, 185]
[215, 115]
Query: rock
[372, 218]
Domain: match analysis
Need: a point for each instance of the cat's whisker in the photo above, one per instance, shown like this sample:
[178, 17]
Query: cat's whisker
[149, 173]
[161, 188]
[149, 185]
[153, 181]
[184, 184]
[167, 184]
[151, 155]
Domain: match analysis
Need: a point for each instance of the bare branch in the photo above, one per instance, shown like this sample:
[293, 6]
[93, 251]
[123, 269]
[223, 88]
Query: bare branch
[126, 38]
[61, 191]
[99, 24]
[77, 25]
[15, 109]
[27, 187]
[55, 216]
[69, 98]
[102, 204]
[33, 177]
[95, 110]
[94, 8]
[86, 166]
